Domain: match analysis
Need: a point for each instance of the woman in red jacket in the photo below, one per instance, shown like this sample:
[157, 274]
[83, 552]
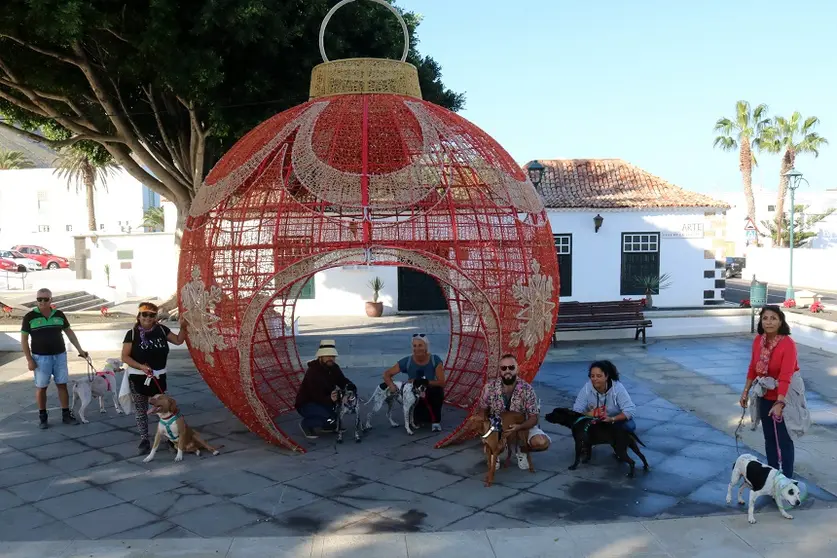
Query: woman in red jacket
[774, 356]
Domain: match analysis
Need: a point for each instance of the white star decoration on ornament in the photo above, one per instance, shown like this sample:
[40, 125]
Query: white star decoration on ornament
[199, 304]
[535, 318]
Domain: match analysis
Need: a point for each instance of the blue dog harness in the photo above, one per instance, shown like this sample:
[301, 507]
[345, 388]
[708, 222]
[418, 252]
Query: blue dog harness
[167, 424]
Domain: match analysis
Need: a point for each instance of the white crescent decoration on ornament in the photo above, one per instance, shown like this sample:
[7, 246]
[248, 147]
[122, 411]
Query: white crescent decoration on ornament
[199, 313]
[535, 318]
[210, 195]
[520, 194]
[402, 188]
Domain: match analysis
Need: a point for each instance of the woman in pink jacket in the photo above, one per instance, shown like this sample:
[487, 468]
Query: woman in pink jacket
[774, 356]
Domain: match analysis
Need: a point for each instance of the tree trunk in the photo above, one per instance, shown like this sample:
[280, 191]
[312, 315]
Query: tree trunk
[787, 164]
[746, 166]
[89, 177]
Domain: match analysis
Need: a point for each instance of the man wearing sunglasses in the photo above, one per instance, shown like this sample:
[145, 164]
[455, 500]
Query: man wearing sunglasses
[510, 393]
[47, 357]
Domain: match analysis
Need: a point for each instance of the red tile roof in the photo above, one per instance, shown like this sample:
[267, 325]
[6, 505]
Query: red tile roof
[612, 184]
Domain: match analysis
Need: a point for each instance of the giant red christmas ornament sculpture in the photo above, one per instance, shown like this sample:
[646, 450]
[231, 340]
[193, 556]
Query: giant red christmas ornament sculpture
[365, 173]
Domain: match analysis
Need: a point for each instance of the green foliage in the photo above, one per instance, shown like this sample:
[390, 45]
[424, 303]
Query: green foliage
[10, 160]
[652, 283]
[376, 285]
[747, 126]
[802, 224]
[154, 219]
[167, 86]
[795, 135]
[81, 167]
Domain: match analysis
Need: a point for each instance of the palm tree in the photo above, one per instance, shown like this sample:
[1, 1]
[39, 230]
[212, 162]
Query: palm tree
[154, 219]
[793, 136]
[10, 160]
[81, 170]
[744, 132]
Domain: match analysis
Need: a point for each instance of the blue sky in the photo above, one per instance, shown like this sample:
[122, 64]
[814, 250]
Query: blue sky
[641, 80]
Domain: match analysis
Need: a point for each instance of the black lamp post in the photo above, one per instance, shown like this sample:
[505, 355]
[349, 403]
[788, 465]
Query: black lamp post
[535, 171]
[597, 221]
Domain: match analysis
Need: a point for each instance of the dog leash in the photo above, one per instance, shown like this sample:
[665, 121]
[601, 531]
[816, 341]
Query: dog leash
[776, 421]
[738, 429]
[91, 370]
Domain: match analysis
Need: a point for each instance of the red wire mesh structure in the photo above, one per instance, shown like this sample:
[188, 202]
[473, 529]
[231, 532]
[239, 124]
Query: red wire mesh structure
[367, 178]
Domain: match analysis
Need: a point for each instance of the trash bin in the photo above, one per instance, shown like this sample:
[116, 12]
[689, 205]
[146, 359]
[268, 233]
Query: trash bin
[758, 298]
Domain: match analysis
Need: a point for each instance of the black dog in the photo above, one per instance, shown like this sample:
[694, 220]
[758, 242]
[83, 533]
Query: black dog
[588, 432]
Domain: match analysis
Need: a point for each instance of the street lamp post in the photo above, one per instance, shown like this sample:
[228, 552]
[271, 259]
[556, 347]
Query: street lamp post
[794, 178]
[535, 171]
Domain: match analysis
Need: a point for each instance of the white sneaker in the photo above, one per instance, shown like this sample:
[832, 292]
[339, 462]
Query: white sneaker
[436, 427]
[523, 461]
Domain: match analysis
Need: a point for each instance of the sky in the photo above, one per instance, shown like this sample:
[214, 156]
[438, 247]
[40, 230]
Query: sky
[641, 80]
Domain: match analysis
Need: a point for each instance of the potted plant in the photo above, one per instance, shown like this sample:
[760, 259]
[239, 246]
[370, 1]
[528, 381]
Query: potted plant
[375, 309]
[652, 285]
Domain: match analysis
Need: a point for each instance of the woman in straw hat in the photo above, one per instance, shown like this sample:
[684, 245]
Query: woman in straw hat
[317, 395]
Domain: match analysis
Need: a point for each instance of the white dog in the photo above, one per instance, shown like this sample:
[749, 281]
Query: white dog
[407, 394]
[103, 382]
[762, 481]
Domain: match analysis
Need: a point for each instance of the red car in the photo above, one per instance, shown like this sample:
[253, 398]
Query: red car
[42, 256]
[7, 265]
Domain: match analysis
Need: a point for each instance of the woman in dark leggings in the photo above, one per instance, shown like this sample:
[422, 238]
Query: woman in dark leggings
[773, 360]
[145, 350]
[423, 364]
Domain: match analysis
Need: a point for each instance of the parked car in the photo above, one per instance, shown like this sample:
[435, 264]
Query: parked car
[7, 265]
[734, 267]
[40, 254]
[23, 263]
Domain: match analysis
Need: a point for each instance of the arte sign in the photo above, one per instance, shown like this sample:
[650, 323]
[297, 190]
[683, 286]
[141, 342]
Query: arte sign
[688, 230]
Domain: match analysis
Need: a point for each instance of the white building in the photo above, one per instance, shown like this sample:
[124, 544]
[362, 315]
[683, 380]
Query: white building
[649, 227]
[816, 202]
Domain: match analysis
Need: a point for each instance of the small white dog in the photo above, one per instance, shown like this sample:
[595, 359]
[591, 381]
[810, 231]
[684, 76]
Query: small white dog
[407, 394]
[762, 481]
[103, 382]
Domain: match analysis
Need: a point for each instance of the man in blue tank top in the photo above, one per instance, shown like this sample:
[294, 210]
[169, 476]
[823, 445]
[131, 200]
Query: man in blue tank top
[423, 364]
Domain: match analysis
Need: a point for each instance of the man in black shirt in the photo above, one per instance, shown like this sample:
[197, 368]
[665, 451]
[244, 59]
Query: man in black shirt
[47, 356]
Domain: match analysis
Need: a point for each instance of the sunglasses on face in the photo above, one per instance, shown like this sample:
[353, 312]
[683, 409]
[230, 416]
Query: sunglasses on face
[419, 335]
[148, 314]
[510, 368]
[43, 299]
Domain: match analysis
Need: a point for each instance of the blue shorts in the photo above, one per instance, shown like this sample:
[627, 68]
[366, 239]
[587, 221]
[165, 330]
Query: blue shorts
[51, 366]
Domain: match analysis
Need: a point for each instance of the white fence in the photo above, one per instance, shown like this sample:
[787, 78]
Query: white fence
[812, 269]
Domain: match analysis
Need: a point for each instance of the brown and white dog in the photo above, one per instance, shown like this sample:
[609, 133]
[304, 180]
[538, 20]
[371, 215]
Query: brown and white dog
[173, 426]
[494, 442]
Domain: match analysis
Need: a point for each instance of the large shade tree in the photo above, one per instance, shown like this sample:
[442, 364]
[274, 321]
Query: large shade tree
[790, 137]
[744, 132]
[166, 86]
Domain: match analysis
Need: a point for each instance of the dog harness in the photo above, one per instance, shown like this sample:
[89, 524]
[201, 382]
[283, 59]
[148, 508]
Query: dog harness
[104, 374]
[167, 425]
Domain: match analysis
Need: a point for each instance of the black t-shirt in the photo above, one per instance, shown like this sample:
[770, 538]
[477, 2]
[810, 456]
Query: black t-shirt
[47, 332]
[154, 351]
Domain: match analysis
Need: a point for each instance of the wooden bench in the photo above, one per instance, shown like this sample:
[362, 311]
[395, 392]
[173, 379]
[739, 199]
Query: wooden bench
[586, 316]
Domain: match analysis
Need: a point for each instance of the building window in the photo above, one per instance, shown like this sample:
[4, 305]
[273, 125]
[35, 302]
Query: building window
[43, 228]
[771, 208]
[307, 292]
[68, 228]
[640, 260]
[564, 251]
[102, 227]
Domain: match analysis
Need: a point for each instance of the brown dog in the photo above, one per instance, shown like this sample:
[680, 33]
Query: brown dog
[173, 426]
[495, 442]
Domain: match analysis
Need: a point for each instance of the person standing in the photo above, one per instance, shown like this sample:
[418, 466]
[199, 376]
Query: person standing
[773, 364]
[145, 350]
[47, 356]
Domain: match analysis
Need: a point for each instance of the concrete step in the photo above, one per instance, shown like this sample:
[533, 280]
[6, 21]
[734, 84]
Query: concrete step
[76, 301]
[57, 299]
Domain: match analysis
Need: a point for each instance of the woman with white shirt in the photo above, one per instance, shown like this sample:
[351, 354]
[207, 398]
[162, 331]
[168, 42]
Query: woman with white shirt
[604, 397]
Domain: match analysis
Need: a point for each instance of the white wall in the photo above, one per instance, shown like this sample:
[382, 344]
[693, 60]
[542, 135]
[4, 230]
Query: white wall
[344, 291]
[597, 257]
[817, 201]
[21, 212]
[151, 268]
[815, 269]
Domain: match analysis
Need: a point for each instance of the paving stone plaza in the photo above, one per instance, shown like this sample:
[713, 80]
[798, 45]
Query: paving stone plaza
[85, 481]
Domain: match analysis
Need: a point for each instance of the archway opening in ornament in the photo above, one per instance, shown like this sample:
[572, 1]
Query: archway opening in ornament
[276, 368]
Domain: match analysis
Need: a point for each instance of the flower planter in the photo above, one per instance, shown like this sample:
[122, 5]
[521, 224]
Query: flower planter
[374, 309]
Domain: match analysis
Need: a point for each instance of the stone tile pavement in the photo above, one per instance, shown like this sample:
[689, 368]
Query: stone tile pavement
[84, 482]
[810, 534]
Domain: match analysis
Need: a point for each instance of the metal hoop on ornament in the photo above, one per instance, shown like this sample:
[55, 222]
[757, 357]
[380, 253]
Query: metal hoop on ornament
[382, 3]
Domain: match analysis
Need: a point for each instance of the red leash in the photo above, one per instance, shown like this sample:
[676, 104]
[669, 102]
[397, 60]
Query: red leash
[776, 421]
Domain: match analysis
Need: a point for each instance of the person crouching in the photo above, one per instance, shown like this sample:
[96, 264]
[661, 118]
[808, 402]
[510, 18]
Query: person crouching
[317, 395]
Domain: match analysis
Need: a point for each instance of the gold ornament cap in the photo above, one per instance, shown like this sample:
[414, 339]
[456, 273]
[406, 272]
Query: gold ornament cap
[354, 76]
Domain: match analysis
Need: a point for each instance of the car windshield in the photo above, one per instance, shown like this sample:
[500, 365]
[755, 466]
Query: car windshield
[17, 254]
[44, 252]
[6, 254]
